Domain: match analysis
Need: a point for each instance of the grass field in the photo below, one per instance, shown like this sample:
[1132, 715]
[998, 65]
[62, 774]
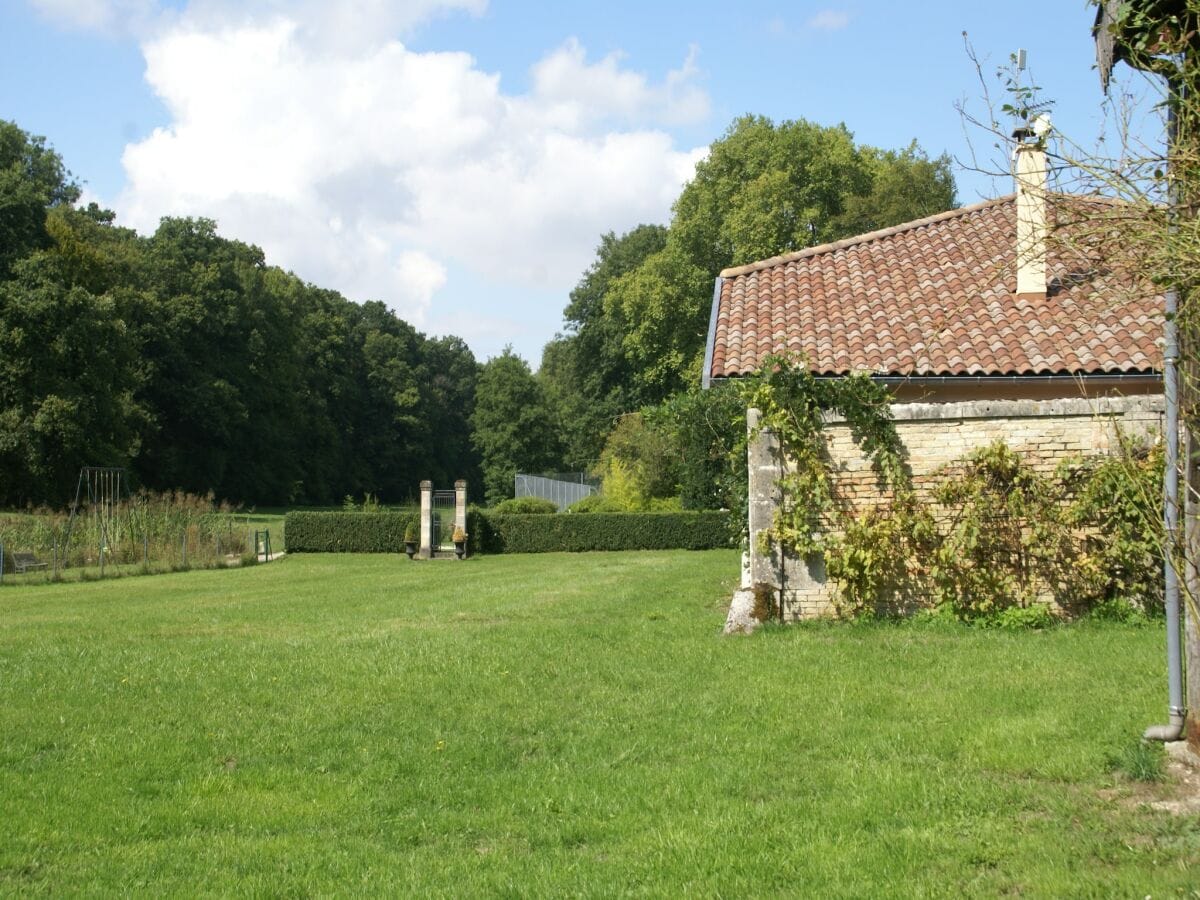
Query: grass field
[558, 724]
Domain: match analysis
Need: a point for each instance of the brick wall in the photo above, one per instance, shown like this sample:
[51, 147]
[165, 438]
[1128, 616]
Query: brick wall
[934, 434]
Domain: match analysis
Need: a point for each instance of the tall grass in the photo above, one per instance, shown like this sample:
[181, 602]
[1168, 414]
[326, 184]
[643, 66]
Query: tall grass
[149, 531]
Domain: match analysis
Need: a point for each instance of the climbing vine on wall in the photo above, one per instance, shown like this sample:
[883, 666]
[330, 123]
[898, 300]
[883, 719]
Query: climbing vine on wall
[992, 535]
[987, 535]
[793, 404]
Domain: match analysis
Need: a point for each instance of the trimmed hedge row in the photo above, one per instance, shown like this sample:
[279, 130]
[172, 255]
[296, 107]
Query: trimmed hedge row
[490, 532]
[347, 532]
[512, 533]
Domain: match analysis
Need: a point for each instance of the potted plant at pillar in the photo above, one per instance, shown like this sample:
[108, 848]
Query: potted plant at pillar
[460, 542]
[410, 540]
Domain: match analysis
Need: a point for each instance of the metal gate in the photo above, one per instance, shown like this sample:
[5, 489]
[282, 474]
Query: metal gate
[443, 520]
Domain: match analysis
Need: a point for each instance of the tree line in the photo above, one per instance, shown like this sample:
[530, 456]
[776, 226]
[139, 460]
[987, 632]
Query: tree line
[189, 360]
[186, 358]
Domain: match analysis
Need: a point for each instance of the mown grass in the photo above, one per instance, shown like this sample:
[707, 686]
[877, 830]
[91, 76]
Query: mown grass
[557, 724]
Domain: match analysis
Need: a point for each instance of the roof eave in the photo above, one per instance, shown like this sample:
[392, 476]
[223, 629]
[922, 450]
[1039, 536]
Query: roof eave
[710, 344]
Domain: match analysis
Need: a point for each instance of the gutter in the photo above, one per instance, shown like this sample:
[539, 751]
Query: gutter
[939, 380]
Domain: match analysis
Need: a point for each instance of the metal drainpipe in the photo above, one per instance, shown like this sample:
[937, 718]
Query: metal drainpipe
[1176, 712]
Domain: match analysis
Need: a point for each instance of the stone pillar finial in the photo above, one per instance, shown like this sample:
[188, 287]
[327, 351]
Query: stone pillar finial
[426, 551]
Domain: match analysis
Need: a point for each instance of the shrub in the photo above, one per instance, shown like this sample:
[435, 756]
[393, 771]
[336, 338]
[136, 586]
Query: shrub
[1006, 538]
[876, 560]
[500, 533]
[595, 503]
[638, 463]
[526, 506]
[345, 532]
[665, 504]
[708, 430]
[1119, 503]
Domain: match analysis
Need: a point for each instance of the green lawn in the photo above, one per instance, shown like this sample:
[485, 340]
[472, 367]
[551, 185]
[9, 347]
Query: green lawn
[558, 724]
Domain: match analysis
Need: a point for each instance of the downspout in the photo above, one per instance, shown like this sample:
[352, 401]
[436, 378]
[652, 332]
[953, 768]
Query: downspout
[1176, 713]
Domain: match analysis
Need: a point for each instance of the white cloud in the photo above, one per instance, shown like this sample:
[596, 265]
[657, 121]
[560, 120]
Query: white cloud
[575, 90]
[339, 26]
[383, 172]
[113, 17]
[829, 20]
[423, 274]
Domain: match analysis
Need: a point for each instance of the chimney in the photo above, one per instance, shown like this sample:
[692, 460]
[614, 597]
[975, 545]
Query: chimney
[1032, 230]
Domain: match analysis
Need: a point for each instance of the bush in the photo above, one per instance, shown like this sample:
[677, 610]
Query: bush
[1120, 505]
[595, 503]
[1002, 538]
[1009, 538]
[527, 506]
[346, 532]
[493, 532]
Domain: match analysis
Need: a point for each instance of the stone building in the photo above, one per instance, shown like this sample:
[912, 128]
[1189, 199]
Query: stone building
[1006, 319]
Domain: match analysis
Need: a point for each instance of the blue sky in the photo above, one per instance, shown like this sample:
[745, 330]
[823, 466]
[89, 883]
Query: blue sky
[459, 159]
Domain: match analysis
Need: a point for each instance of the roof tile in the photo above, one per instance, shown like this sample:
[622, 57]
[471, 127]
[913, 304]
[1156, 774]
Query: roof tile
[936, 297]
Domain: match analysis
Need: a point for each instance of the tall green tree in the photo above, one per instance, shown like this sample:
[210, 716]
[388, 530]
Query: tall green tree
[33, 179]
[905, 185]
[587, 376]
[448, 375]
[762, 190]
[512, 427]
[188, 359]
[69, 367]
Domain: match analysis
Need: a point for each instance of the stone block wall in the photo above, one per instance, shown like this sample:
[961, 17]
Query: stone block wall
[1044, 432]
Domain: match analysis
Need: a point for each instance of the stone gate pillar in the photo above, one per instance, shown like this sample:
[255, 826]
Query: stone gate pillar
[426, 551]
[460, 504]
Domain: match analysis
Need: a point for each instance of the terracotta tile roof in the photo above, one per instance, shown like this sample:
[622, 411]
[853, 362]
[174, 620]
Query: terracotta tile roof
[935, 297]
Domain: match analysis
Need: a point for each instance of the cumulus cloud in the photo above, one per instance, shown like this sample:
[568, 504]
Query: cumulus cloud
[572, 89]
[829, 20]
[383, 171]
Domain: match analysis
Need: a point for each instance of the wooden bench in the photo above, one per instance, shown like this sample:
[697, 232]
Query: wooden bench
[26, 562]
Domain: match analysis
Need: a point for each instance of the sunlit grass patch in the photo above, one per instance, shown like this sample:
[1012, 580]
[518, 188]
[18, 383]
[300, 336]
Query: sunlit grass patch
[557, 724]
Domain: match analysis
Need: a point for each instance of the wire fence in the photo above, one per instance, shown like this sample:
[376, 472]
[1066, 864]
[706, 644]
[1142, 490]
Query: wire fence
[149, 533]
[562, 488]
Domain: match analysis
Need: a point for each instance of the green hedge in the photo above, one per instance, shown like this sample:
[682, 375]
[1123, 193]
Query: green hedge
[347, 532]
[531, 505]
[492, 532]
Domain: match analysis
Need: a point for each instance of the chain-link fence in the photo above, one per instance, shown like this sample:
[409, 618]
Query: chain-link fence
[562, 488]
